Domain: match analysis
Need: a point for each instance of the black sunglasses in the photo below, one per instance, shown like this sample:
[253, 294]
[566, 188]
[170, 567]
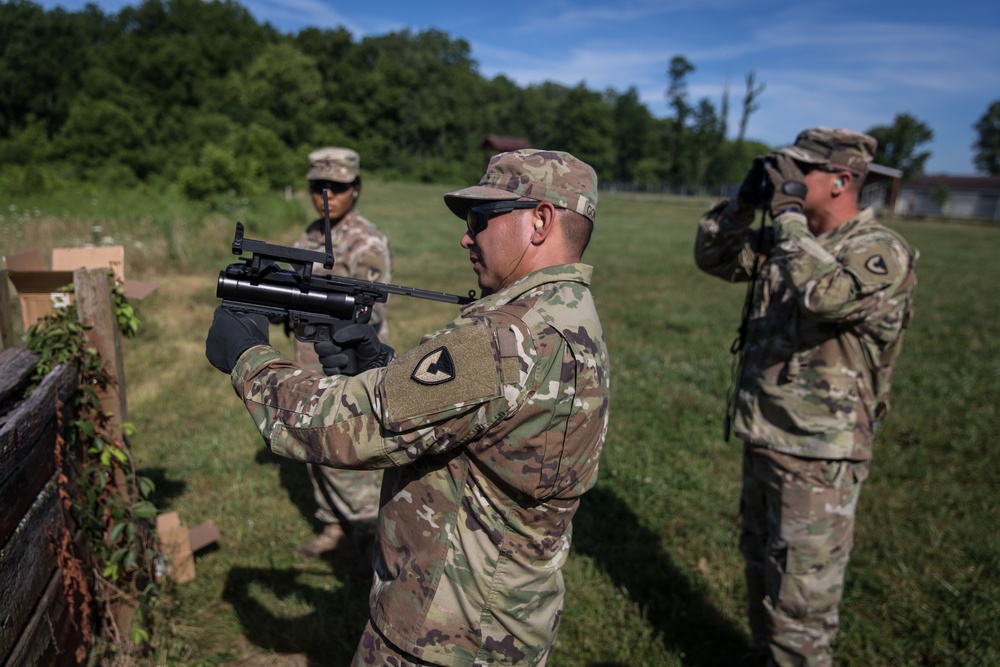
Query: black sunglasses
[478, 216]
[806, 167]
[317, 187]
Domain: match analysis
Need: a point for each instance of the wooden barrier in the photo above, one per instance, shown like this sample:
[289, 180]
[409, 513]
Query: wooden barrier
[8, 332]
[38, 624]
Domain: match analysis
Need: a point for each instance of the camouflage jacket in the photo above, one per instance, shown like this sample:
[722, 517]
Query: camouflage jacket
[490, 431]
[360, 250]
[823, 328]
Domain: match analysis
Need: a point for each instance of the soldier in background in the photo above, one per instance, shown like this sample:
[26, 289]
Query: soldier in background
[347, 500]
[830, 294]
[489, 431]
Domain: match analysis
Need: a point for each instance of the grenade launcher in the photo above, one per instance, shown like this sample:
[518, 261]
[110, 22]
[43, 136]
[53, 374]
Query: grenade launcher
[311, 305]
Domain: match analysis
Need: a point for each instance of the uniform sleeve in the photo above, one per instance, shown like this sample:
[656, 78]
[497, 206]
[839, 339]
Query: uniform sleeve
[307, 416]
[440, 395]
[849, 288]
[726, 246]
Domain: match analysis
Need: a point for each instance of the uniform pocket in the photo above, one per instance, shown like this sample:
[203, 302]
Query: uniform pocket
[815, 399]
[813, 580]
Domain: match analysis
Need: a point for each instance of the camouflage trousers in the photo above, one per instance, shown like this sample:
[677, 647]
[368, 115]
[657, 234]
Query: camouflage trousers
[796, 539]
[375, 651]
[349, 496]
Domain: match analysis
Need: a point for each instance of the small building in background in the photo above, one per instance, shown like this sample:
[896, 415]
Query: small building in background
[497, 143]
[958, 197]
[881, 188]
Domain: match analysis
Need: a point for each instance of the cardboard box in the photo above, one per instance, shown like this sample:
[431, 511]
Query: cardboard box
[38, 287]
[180, 543]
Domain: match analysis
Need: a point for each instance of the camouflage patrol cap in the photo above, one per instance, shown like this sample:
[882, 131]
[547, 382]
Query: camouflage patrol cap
[552, 176]
[826, 145]
[333, 164]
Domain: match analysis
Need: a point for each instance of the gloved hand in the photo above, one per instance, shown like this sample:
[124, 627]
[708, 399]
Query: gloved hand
[756, 188]
[354, 349]
[232, 334]
[334, 359]
[789, 187]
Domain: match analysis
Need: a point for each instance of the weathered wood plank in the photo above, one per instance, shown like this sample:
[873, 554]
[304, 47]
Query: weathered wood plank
[51, 636]
[23, 426]
[16, 365]
[95, 309]
[18, 490]
[27, 564]
[8, 337]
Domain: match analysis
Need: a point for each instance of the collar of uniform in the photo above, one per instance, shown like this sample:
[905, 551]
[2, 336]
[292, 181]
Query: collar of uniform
[578, 273]
[347, 220]
[865, 217]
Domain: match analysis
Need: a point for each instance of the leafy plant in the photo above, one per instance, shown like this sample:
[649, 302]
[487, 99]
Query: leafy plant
[109, 503]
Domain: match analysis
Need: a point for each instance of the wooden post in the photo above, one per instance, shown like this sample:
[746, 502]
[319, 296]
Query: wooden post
[7, 336]
[893, 194]
[94, 308]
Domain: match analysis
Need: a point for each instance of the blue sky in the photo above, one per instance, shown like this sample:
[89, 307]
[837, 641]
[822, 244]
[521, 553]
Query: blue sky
[845, 64]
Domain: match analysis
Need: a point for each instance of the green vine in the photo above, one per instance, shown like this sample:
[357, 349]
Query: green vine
[110, 503]
[128, 321]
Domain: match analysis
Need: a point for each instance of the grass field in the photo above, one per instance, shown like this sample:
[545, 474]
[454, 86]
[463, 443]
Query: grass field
[655, 577]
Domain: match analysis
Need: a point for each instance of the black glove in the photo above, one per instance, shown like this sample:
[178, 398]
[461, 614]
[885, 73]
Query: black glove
[232, 334]
[354, 349]
[789, 188]
[334, 359]
[756, 188]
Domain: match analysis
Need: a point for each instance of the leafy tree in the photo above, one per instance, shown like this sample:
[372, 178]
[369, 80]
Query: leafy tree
[100, 133]
[281, 89]
[539, 108]
[200, 94]
[42, 56]
[987, 146]
[898, 144]
[586, 129]
[689, 149]
[677, 92]
[219, 176]
[705, 140]
[634, 133]
[753, 91]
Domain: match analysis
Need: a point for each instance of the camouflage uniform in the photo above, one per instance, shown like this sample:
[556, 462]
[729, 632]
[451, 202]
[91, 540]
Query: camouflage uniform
[489, 432]
[824, 327]
[361, 251]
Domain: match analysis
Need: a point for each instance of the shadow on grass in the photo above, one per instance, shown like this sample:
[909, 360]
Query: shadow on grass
[608, 531]
[165, 490]
[326, 636]
[294, 478]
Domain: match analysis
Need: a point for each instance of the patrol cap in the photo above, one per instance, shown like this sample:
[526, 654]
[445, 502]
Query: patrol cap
[333, 164]
[827, 145]
[553, 176]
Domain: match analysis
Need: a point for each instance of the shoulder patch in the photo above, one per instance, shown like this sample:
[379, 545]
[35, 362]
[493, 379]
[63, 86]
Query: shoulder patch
[436, 367]
[875, 264]
[443, 375]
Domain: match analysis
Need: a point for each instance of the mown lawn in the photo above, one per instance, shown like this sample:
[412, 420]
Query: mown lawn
[655, 577]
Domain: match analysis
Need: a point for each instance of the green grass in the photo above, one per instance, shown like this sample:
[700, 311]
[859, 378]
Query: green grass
[655, 577]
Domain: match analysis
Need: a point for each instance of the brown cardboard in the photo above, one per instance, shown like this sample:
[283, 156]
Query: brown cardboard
[180, 543]
[176, 541]
[70, 259]
[204, 535]
[38, 287]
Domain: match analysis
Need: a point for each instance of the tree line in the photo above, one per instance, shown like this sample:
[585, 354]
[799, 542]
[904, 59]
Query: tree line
[201, 95]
